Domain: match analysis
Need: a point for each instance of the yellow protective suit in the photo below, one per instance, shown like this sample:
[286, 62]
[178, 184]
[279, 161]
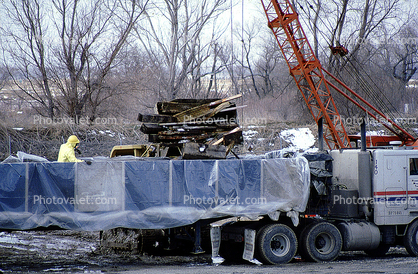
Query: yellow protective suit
[66, 153]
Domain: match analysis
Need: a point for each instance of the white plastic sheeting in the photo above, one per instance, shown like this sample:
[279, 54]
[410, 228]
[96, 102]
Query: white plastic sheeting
[149, 193]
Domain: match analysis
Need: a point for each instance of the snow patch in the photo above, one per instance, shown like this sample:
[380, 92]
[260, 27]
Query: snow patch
[299, 139]
[249, 134]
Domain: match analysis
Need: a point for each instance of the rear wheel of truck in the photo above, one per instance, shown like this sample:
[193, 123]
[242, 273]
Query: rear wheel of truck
[410, 239]
[276, 244]
[320, 242]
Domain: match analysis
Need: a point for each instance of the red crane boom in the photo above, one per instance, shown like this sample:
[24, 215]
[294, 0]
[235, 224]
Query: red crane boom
[308, 74]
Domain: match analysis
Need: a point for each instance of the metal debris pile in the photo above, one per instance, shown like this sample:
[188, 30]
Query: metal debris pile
[197, 128]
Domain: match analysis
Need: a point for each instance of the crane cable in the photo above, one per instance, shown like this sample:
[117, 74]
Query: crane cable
[326, 39]
[378, 98]
[391, 111]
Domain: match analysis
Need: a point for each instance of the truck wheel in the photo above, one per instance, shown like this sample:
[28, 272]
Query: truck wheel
[276, 244]
[320, 242]
[410, 239]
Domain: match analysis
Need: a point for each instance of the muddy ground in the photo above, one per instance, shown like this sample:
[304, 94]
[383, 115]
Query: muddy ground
[80, 252]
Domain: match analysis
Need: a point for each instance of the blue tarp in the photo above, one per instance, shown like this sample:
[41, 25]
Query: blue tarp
[149, 193]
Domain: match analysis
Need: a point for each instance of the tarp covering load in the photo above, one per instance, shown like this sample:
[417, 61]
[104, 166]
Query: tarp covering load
[148, 194]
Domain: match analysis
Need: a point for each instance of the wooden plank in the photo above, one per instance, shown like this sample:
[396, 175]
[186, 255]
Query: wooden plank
[174, 139]
[151, 128]
[191, 131]
[236, 130]
[156, 118]
[202, 110]
[233, 137]
[217, 122]
[213, 118]
[180, 105]
[202, 151]
[201, 127]
[217, 109]
[233, 108]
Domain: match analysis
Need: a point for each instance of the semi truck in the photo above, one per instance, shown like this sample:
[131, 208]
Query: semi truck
[315, 204]
[368, 198]
[368, 201]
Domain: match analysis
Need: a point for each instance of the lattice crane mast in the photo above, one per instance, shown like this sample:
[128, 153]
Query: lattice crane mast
[308, 74]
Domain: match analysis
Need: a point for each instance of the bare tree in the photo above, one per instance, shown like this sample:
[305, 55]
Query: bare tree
[204, 63]
[349, 23]
[356, 25]
[247, 37]
[25, 52]
[407, 55]
[65, 51]
[215, 70]
[4, 76]
[313, 12]
[174, 40]
[405, 51]
[229, 60]
[270, 68]
[91, 36]
[259, 62]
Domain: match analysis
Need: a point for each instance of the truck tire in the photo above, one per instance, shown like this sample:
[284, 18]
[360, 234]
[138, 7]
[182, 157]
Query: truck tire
[410, 239]
[276, 244]
[320, 242]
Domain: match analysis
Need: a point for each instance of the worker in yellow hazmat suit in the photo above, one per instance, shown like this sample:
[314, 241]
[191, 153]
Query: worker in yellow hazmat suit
[66, 153]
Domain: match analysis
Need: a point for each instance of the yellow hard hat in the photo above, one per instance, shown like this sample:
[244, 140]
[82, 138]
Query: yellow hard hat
[73, 140]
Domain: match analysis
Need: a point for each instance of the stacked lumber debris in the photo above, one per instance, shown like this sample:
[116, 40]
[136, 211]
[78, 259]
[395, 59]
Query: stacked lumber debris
[197, 128]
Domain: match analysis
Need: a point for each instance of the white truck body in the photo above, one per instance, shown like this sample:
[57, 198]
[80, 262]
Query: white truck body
[395, 186]
[394, 182]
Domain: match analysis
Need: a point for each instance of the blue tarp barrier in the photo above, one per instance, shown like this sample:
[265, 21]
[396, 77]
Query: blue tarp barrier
[148, 193]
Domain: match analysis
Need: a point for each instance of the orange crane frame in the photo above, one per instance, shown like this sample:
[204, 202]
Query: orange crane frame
[307, 72]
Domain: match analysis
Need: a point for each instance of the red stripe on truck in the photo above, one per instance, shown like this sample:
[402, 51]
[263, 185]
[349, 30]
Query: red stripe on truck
[386, 193]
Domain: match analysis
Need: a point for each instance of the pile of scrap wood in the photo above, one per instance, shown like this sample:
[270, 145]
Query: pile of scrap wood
[201, 128]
